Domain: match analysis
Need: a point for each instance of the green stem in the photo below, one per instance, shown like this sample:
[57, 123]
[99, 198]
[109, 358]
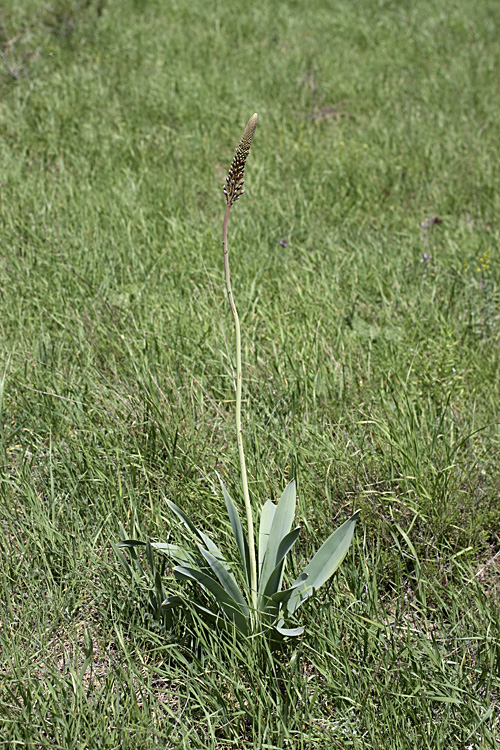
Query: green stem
[239, 434]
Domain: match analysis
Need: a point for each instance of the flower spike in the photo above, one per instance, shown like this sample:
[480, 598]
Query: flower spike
[234, 181]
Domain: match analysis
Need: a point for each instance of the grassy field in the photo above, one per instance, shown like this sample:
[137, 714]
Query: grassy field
[365, 266]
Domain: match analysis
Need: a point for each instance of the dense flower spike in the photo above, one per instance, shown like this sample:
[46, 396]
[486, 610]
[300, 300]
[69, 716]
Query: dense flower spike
[234, 181]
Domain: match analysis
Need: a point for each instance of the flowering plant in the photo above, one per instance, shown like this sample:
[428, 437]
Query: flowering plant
[257, 600]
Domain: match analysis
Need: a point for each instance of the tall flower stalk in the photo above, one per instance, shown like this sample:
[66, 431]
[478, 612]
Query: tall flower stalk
[263, 606]
[232, 190]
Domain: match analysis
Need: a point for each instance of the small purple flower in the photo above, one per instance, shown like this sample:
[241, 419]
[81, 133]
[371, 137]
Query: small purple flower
[283, 242]
[425, 258]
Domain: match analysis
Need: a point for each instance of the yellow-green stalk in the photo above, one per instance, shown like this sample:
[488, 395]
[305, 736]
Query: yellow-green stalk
[232, 190]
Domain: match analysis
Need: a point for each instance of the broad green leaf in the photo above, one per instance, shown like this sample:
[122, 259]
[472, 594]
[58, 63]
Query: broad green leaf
[273, 604]
[172, 601]
[275, 580]
[239, 536]
[226, 579]
[290, 632]
[123, 560]
[280, 527]
[324, 563]
[266, 521]
[226, 603]
[157, 595]
[185, 519]
[130, 545]
[180, 603]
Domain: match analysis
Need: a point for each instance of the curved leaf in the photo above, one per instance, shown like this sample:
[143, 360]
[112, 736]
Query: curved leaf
[131, 543]
[134, 567]
[324, 563]
[275, 603]
[266, 521]
[178, 554]
[211, 546]
[281, 524]
[239, 536]
[275, 580]
[186, 520]
[226, 603]
[177, 602]
[226, 579]
[290, 632]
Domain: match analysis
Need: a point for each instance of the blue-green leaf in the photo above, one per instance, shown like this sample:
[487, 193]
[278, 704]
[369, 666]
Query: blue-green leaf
[280, 527]
[290, 632]
[226, 579]
[209, 544]
[178, 554]
[178, 602]
[225, 602]
[275, 580]
[273, 604]
[266, 521]
[324, 563]
[239, 536]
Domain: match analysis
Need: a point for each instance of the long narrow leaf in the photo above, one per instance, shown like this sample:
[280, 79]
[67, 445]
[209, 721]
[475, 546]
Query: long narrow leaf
[185, 519]
[275, 580]
[197, 533]
[239, 536]
[178, 602]
[135, 568]
[226, 603]
[178, 554]
[131, 543]
[324, 563]
[266, 521]
[272, 605]
[226, 579]
[283, 596]
[280, 527]
[123, 560]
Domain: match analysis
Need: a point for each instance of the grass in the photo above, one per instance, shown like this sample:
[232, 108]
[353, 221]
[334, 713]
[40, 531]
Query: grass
[370, 350]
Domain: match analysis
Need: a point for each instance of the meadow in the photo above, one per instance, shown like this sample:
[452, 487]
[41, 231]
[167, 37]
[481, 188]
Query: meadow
[365, 264]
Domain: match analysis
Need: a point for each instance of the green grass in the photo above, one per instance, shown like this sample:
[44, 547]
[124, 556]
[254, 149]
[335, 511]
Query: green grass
[371, 369]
